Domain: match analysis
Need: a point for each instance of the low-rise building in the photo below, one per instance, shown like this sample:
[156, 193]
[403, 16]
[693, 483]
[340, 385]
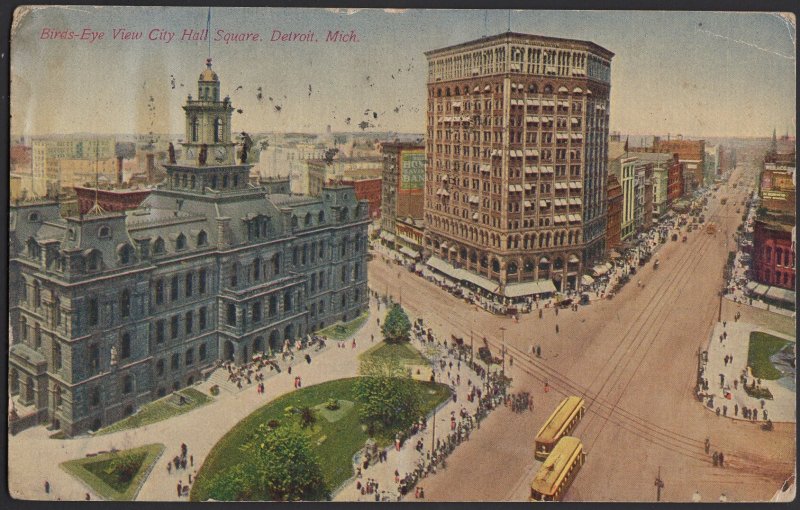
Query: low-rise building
[369, 189]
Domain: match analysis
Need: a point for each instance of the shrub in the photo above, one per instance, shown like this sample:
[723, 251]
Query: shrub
[332, 404]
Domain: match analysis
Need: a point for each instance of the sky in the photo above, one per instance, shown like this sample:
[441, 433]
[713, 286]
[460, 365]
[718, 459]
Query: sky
[688, 73]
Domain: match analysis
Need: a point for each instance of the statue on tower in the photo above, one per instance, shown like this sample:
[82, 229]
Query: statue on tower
[203, 154]
[171, 153]
[247, 142]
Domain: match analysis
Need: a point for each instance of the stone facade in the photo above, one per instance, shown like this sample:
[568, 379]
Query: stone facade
[111, 310]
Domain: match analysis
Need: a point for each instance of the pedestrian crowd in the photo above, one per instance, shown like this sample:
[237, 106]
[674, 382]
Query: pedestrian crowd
[183, 462]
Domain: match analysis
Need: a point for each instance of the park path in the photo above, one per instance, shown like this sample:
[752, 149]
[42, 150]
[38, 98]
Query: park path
[36, 457]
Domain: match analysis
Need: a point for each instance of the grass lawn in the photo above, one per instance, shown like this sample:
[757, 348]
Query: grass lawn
[161, 409]
[344, 330]
[335, 441]
[102, 474]
[403, 352]
[762, 346]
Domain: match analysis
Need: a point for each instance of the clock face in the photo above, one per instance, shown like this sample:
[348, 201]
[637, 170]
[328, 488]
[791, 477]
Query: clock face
[220, 152]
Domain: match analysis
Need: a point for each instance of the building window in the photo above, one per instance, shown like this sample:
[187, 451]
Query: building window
[160, 367]
[173, 328]
[160, 292]
[37, 294]
[37, 335]
[175, 363]
[202, 237]
[57, 361]
[189, 357]
[231, 314]
[201, 318]
[273, 305]
[93, 312]
[125, 347]
[194, 129]
[189, 322]
[94, 396]
[217, 130]
[234, 278]
[94, 359]
[188, 284]
[257, 269]
[276, 264]
[257, 311]
[344, 274]
[202, 281]
[125, 303]
[127, 384]
[287, 301]
[180, 242]
[202, 352]
[173, 290]
[160, 331]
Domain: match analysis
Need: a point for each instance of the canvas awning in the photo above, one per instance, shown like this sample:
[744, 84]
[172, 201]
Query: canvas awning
[408, 251]
[587, 280]
[478, 280]
[783, 295]
[443, 267]
[387, 236]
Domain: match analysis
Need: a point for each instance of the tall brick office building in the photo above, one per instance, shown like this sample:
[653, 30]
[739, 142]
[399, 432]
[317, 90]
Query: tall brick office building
[517, 134]
[110, 310]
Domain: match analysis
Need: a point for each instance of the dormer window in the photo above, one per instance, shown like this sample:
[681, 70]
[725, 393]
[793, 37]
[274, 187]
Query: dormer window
[126, 254]
[158, 247]
[104, 232]
[34, 217]
[202, 238]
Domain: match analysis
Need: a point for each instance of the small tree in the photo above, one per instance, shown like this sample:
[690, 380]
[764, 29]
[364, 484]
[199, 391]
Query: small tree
[285, 466]
[387, 395]
[396, 326]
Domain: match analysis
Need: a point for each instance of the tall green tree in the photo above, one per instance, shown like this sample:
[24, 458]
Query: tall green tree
[396, 325]
[387, 395]
[285, 466]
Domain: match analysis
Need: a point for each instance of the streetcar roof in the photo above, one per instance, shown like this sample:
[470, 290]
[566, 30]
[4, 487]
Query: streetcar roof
[558, 462]
[558, 421]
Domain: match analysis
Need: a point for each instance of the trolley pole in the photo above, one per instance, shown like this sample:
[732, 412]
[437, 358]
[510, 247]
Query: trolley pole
[659, 483]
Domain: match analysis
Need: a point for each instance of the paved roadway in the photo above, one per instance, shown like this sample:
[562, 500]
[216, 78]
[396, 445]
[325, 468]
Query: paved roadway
[634, 359]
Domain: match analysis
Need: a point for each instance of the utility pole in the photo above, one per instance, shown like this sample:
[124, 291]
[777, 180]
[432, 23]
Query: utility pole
[503, 349]
[659, 483]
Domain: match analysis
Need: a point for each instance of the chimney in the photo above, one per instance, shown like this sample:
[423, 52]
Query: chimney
[120, 159]
[151, 166]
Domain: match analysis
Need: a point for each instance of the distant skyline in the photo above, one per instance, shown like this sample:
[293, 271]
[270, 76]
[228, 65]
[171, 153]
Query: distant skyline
[698, 74]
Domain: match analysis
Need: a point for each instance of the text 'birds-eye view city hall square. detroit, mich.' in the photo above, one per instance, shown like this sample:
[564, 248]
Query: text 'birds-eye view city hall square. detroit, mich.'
[521, 256]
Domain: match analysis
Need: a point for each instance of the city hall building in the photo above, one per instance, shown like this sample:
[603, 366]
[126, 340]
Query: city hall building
[517, 135]
[110, 310]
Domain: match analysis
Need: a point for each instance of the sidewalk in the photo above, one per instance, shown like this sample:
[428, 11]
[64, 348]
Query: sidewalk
[200, 429]
[407, 459]
[781, 409]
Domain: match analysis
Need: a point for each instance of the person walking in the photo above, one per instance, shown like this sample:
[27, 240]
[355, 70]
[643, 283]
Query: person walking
[715, 459]
[46, 487]
[556, 328]
[169, 468]
[721, 459]
[707, 445]
[180, 488]
[736, 409]
[191, 457]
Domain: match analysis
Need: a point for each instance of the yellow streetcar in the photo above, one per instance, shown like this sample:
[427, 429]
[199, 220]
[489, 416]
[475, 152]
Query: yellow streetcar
[560, 424]
[559, 470]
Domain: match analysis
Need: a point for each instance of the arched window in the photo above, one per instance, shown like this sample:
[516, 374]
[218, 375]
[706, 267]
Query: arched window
[287, 301]
[217, 130]
[512, 268]
[202, 238]
[104, 232]
[57, 311]
[159, 247]
[231, 314]
[37, 294]
[180, 242]
[126, 254]
[344, 215]
[495, 265]
[294, 221]
[194, 129]
[321, 217]
[307, 221]
[125, 303]
[257, 269]
[125, 346]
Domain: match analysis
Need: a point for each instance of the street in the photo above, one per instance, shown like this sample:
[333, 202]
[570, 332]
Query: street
[634, 360]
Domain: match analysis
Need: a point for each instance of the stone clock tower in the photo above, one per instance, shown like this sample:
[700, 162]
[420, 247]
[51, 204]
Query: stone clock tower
[208, 162]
